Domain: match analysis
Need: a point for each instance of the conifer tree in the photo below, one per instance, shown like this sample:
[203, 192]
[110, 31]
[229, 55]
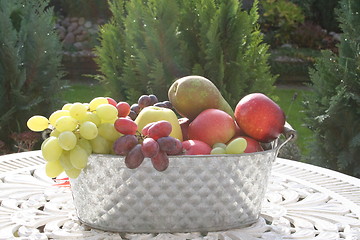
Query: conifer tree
[333, 109]
[29, 63]
[149, 44]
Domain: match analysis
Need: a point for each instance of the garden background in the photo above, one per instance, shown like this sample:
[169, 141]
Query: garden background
[304, 54]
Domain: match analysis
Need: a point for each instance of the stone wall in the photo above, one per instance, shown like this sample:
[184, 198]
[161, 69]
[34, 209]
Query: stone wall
[78, 36]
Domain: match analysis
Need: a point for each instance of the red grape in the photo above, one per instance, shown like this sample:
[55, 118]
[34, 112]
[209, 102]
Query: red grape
[168, 104]
[123, 109]
[124, 144]
[170, 145]
[125, 126]
[111, 101]
[132, 115]
[144, 101]
[135, 107]
[160, 104]
[160, 129]
[153, 98]
[149, 147]
[160, 161]
[135, 157]
[145, 130]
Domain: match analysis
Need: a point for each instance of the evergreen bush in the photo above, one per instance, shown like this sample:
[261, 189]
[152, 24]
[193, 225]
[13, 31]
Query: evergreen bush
[326, 15]
[149, 44]
[334, 110]
[29, 64]
[279, 19]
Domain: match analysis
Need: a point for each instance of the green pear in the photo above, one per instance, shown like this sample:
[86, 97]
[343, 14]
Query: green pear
[191, 95]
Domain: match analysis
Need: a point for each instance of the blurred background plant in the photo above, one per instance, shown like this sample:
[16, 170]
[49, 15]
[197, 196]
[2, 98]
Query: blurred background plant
[279, 18]
[30, 69]
[333, 109]
[156, 42]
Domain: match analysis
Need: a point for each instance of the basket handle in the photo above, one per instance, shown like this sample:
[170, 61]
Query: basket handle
[289, 132]
[290, 135]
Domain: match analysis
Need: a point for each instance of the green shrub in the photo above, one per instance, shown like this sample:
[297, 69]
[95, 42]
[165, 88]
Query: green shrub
[29, 64]
[326, 15]
[334, 109]
[279, 19]
[307, 7]
[292, 64]
[149, 44]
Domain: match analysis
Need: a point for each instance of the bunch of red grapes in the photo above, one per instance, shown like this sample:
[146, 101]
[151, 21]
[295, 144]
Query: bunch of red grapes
[145, 101]
[153, 142]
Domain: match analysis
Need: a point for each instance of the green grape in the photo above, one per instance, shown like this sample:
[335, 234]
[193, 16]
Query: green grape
[91, 117]
[44, 142]
[86, 145]
[107, 112]
[88, 130]
[78, 157]
[100, 145]
[67, 140]
[78, 111]
[51, 149]
[218, 150]
[54, 133]
[66, 123]
[53, 168]
[65, 160]
[67, 106]
[96, 102]
[87, 105]
[109, 120]
[221, 145]
[236, 146]
[37, 123]
[72, 173]
[56, 115]
[108, 131]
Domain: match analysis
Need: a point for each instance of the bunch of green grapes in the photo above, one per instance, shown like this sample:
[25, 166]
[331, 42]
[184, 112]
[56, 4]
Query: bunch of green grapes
[236, 146]
[77, 130]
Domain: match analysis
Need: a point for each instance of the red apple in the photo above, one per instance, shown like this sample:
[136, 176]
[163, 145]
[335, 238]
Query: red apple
[212, 126]
[260, 117]
[252, 145]
[195, 147]
[184, 125]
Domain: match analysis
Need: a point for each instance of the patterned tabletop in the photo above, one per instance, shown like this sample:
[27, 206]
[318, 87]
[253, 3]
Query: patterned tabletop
[302, 202]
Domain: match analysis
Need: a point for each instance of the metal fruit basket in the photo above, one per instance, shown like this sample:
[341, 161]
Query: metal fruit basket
[196, 193]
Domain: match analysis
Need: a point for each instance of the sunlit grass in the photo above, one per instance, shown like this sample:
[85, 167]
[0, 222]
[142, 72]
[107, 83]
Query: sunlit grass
[83, 92]
[291, 101]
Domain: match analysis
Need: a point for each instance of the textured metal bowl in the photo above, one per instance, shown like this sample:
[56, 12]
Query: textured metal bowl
[195, 193]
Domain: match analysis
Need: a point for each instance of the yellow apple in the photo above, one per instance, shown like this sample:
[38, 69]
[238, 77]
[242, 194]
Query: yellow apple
[153, 114]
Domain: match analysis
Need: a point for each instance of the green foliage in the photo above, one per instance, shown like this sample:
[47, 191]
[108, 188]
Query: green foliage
[326, 15]
[307, 7]
[279, 19]
[149, 44]
[334, 109]
[29, 63]
[292, 64]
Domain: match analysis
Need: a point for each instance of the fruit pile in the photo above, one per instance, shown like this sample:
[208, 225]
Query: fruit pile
[155, 130]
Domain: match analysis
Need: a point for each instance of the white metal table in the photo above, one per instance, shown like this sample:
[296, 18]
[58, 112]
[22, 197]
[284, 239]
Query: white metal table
[302, 202]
